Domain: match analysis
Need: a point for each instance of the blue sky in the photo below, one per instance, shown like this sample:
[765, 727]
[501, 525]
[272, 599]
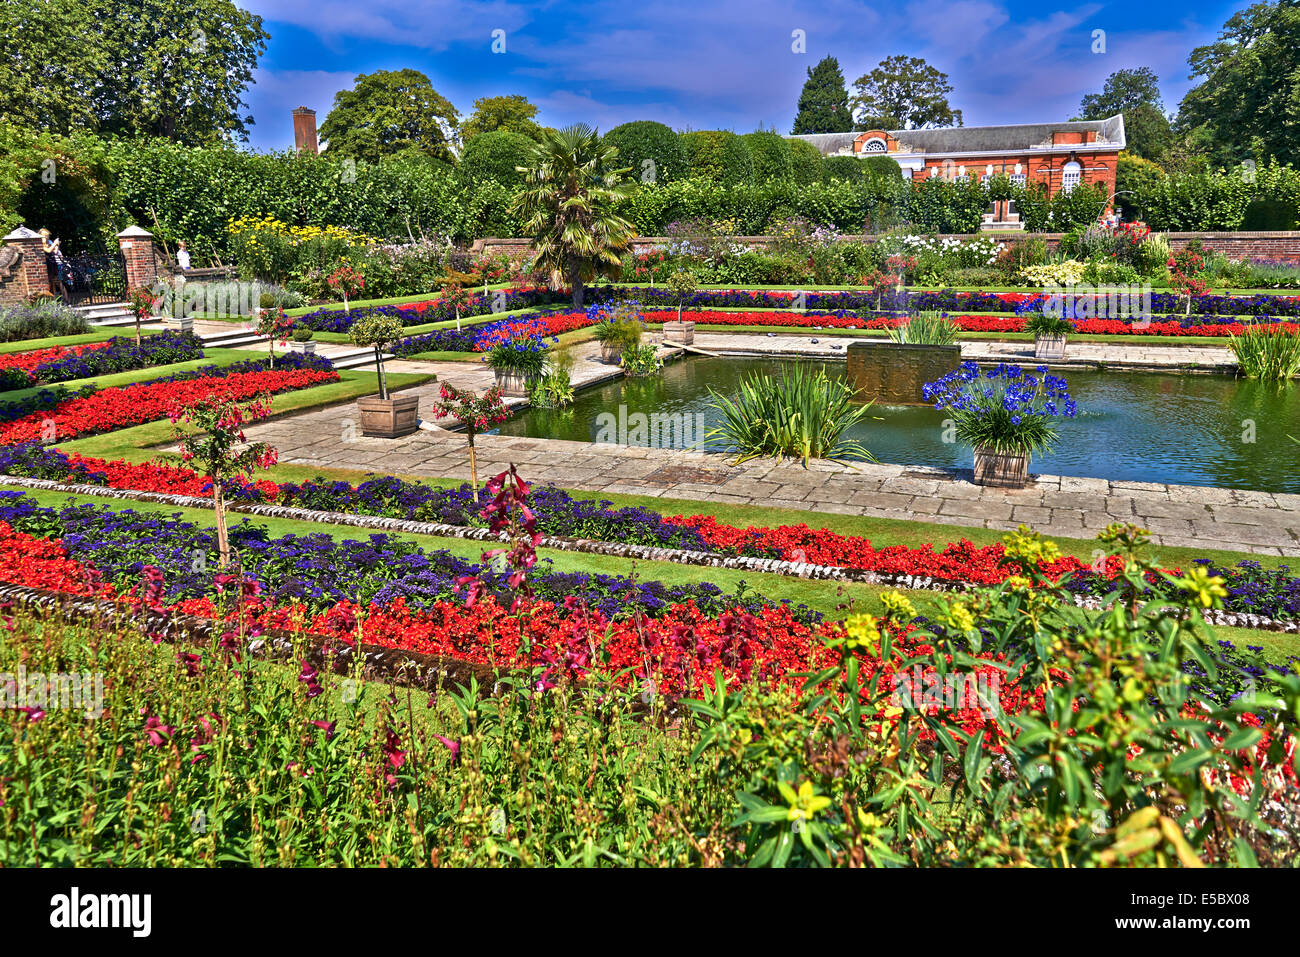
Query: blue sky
[714, 64]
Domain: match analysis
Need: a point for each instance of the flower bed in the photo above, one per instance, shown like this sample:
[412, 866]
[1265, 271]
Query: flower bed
[432, 310]
[53, 415]
[1251, 589]
[119, 354]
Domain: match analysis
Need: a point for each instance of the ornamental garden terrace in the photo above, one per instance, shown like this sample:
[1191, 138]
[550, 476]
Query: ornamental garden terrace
[541, 552]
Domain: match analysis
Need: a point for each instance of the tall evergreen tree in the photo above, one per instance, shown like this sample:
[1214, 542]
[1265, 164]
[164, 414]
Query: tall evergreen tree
[824, 102]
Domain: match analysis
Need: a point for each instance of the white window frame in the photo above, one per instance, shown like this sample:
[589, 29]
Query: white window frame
[1017, 179]
[875, 145]
[1071, 176]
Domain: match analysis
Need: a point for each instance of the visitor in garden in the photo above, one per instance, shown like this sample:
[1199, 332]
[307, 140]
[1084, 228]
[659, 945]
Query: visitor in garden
[182, 256]
[54, 259]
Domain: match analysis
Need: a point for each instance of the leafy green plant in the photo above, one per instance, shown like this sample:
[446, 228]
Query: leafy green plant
[926, 328]
[800, 413]
[377, 330]
[1042, 325]
[1267, 352]
[640, 360]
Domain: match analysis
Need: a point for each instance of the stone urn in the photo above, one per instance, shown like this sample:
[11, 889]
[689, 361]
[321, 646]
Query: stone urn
[610, 353]
[1001, 469]
[1049, 347]
[512, 383]
[679, 332]
[389, 418]
[307, 348]
[183, 324]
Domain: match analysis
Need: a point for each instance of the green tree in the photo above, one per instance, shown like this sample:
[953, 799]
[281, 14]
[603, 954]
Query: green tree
[172, 68]
[387, 112]
[498, 156]
[1136, 94]
[568, 205]
[652, 150]
[824, 103]
[903, 93]
[512, 113]
[1248, 101]
[718, 155]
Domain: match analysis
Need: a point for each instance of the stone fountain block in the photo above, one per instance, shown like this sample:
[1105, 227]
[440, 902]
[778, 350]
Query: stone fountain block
[892, 374]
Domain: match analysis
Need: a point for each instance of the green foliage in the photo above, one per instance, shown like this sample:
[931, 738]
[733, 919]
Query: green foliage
[848, 168]
[800, 413]
[903, 92]
[171, 68]
[806, 162]
[1045, 324]
[388, 112]
[1270, 214]
[770, 154]
[377, 330]
[1136, 94]
[1135, 179]
[1268, 353]
[885, 166]
[1244, 104]
[651, 150]
[1210, 201]
[717, 155]
[496, 156]
[926, 328]
[511, 114]
[568, 205]
[640, 360]
[64, 183]
[823, 102]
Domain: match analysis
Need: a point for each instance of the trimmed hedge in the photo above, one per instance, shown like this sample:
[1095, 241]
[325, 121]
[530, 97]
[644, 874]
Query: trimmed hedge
[652, 150]
[718, 155]
[770, 154]
[496, 156]
[806, 162]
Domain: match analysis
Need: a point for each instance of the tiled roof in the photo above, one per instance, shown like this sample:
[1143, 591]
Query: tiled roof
[979, 139]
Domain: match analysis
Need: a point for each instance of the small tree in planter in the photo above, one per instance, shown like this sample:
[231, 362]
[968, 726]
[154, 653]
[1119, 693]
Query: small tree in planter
[218, 450]
[683, 285]
[274, 325]
[346, 282]
[1185, 276]
[457, 297]
[384, 416]
[141, 302]
[1049, 334]
[475, 413]
[1004, 414]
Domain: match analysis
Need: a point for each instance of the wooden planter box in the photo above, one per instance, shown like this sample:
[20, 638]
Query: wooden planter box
[890, 373]
[513, 384]
[389, 418]
[683, 332]
[306, 348]
[1001, 470]
[1049, 347]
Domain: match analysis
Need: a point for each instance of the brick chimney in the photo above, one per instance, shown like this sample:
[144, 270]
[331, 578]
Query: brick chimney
[304, 129]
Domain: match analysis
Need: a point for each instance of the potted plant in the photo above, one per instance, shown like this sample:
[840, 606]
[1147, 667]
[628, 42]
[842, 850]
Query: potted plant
[302, 339]
[517, 364]
[274, 325]
[1049, 334]
[1005, 414]
[384, 416]
[683, 285]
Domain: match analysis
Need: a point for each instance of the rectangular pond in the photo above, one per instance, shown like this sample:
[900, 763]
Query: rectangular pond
[1187, 429]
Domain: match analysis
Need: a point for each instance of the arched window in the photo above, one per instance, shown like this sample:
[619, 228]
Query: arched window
[875, 145]
[1071, 175]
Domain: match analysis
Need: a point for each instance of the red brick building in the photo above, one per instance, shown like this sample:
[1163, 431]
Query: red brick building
[1061, 155]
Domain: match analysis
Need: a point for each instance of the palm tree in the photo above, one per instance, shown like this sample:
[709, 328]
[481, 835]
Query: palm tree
[570, 192]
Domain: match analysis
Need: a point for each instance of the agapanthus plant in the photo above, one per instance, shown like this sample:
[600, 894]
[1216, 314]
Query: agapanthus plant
[1007, 410]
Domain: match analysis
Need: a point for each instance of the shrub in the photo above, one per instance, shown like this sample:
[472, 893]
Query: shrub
[885, 167]
[718, 155]
[800, 413]
[44, 319]
[770, 154]
[644, 142]
[1044, 324]
[494, 156]
[806, 162]
[848, 168]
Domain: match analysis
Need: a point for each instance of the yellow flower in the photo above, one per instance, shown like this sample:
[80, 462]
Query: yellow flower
[897, 605]
[1204, 589]
[960, 617]
[863, 630]
[868, 821]
[805, 805]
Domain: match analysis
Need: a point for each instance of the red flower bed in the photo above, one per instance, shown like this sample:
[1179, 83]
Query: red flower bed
[42, 563]
[30, 360]
[960, 561]
[118, 407]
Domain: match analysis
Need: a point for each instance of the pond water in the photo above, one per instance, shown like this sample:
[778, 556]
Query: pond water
[1190, 429]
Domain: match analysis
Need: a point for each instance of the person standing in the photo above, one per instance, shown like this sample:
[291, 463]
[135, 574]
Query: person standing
[183, 256]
